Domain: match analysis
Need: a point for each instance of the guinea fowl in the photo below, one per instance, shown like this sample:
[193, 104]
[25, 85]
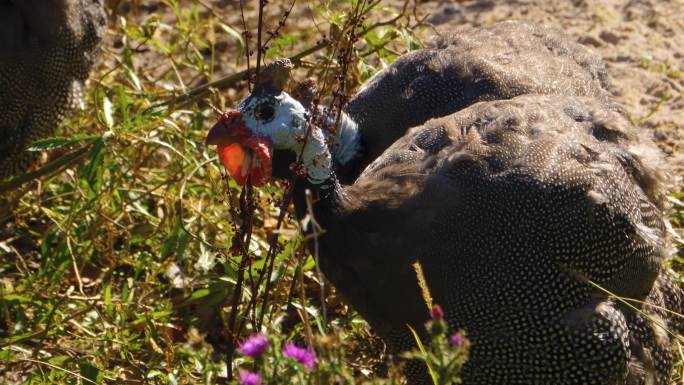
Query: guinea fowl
[46, 50]
[517, 210]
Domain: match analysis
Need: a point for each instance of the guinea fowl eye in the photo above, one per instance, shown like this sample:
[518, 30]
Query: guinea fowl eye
[264, 112]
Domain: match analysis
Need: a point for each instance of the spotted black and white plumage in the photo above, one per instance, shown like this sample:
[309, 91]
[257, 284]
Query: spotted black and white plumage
[47, 50]
[518, 211]
[527, 201]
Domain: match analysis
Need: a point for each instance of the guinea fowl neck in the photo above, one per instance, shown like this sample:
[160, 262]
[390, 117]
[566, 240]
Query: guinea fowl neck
[325, 198]
[346, 146]
[326, 192]
[347, 149]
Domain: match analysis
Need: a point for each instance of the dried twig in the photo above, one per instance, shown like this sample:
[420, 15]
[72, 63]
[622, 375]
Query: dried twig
[51, 168]
[260, 25]
[228, 81]
[231, 80]
[243, 237]
[315, 229]
[345, 58]
[246, 206]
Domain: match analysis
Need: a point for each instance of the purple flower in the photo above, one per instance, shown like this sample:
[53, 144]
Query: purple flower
[249, 378]
[437, 313]
[456, 339]
[306, 357]
[254, 346]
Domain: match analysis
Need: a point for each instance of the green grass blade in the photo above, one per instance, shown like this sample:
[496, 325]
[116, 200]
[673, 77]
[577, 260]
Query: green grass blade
[433, 375]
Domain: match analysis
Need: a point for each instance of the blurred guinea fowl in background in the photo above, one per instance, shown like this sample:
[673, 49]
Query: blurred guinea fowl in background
[47, 48]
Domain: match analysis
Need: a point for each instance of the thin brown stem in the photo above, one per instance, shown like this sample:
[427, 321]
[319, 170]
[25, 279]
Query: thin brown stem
[280, 24]
[244, 237]
[245, 33]
[260, 25]
[270, 256]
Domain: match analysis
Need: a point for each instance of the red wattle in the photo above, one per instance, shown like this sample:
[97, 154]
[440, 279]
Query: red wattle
[234, 155]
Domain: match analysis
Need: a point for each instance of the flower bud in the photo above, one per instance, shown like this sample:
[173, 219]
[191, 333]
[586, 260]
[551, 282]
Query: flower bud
[437, 313]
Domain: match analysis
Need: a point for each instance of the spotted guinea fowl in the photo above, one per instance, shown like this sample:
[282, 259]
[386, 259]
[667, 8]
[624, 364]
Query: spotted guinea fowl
[47, 48]
[516, 209]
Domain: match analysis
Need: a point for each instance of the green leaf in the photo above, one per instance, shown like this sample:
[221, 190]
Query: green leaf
[109, 306]
[90, 372]
[16, 297]
[58, 141]
[6, 355]
[93, 170]
[59, 360]
[176, 242]
[201, 293]
[282, 43]
[232, 32]
[435, 379]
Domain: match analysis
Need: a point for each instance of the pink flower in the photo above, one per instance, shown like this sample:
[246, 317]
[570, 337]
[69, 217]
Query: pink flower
[254, 346]
[249, 378]
[306, 357]
[456, 339]
[437, 313]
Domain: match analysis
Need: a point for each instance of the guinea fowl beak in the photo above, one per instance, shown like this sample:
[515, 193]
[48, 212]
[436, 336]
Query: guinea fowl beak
[244, 155]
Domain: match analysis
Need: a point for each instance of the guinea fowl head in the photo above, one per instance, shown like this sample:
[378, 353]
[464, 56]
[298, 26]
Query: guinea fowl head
[270, 128]
[246, 138]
